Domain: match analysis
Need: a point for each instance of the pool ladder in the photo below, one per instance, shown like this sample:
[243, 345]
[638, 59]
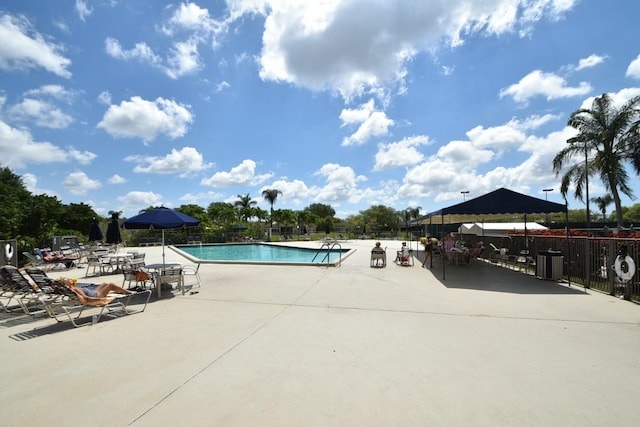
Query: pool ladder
[328, 246]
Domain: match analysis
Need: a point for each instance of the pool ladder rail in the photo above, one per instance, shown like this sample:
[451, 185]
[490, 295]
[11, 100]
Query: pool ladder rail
[326, 248]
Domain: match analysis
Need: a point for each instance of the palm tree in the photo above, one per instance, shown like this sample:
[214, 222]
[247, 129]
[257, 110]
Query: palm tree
[270, 195]
[608, 138]
[602, 202]
[245, 205]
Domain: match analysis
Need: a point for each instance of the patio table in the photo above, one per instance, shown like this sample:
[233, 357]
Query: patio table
[157, 269]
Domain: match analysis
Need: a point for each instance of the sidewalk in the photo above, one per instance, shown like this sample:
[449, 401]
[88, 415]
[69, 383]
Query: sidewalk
[338, 346]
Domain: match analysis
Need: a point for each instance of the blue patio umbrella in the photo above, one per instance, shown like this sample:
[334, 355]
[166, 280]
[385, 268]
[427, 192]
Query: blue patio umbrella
[95, 234]
[160, 218]
[113, 231]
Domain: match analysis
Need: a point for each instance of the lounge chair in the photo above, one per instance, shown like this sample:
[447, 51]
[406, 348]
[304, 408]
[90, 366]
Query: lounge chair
[30, 297]
[73, 305]
[37, 260]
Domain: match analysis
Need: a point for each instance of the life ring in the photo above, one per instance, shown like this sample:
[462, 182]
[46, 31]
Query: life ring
[8, 252]
[625, 268]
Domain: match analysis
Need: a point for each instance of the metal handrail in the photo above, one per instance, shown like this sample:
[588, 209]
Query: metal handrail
[329, 247]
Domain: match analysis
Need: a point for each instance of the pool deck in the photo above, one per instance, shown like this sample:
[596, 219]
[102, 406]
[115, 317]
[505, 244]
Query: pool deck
[334, 346]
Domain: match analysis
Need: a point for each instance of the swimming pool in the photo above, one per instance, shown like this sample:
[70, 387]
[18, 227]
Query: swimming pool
[262, 253]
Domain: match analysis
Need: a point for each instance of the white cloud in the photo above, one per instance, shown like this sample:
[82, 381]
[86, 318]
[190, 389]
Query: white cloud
[341, 184]
[370, 123]
[201, 198]
[184, 163]
[41, 113]
[104, 97]
[183, 59]
[633, 70]
[470, 165]
[139, 118]
[31, 183]
[402, 153]
[141, 199]
[295, 192]
[18, 149]
[78, 183]
[83, 10]
[39, 106]
[141, 52]
[548, 85]
[590, 61]
[116, 179]
[314, 44]
[243, 174]
[23, 49]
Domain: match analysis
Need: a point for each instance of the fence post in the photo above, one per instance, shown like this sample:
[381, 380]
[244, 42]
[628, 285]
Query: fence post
[612, 253]
[587, 262]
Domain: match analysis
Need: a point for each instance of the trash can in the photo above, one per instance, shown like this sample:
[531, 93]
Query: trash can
[549, 265]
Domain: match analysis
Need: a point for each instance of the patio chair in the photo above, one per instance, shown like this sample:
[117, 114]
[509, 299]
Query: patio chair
[168, 276]
[73, 304]
[135, 271]
[96, 262]
[378, 258]
[404, 257]
[191, 270]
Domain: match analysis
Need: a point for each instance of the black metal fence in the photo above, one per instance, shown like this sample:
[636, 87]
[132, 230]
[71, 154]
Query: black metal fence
[605, 264]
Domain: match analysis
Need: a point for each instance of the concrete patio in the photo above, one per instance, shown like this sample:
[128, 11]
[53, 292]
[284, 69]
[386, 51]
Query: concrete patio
[345, 346]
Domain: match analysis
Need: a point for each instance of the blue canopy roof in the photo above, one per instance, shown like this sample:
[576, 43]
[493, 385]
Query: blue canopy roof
[497, 202]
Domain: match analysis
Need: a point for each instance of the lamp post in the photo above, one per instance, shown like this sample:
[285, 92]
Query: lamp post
[586, 181]
[464, 194]
[586, 174]
[546, 192]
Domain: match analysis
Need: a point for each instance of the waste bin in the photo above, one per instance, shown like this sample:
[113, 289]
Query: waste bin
[549, 265]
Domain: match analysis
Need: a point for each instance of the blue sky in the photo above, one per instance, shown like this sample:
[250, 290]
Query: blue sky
[352, 103]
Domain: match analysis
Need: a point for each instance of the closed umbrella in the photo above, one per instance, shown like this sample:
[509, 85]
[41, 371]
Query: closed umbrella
[160, 218]
[95, 234]
[113, 231]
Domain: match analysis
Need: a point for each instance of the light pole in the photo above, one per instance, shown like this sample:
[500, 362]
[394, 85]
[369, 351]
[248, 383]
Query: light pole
[464, 194]
[546, 191]
[586, 181]
[586, 173]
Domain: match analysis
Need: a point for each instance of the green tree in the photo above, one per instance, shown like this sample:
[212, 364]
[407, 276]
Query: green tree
[245, 205]
[222, 214]
[78, 217]
[321, 210]
[381, 217]
[271, 195]
[607, 139]
[14, 200]
[602, 202]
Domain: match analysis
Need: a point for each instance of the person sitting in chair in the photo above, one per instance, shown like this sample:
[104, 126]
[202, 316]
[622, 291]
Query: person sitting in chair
[378, 254]
[402, 256]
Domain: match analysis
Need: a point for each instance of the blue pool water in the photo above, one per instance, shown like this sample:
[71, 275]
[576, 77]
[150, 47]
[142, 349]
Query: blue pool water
[261, 253]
